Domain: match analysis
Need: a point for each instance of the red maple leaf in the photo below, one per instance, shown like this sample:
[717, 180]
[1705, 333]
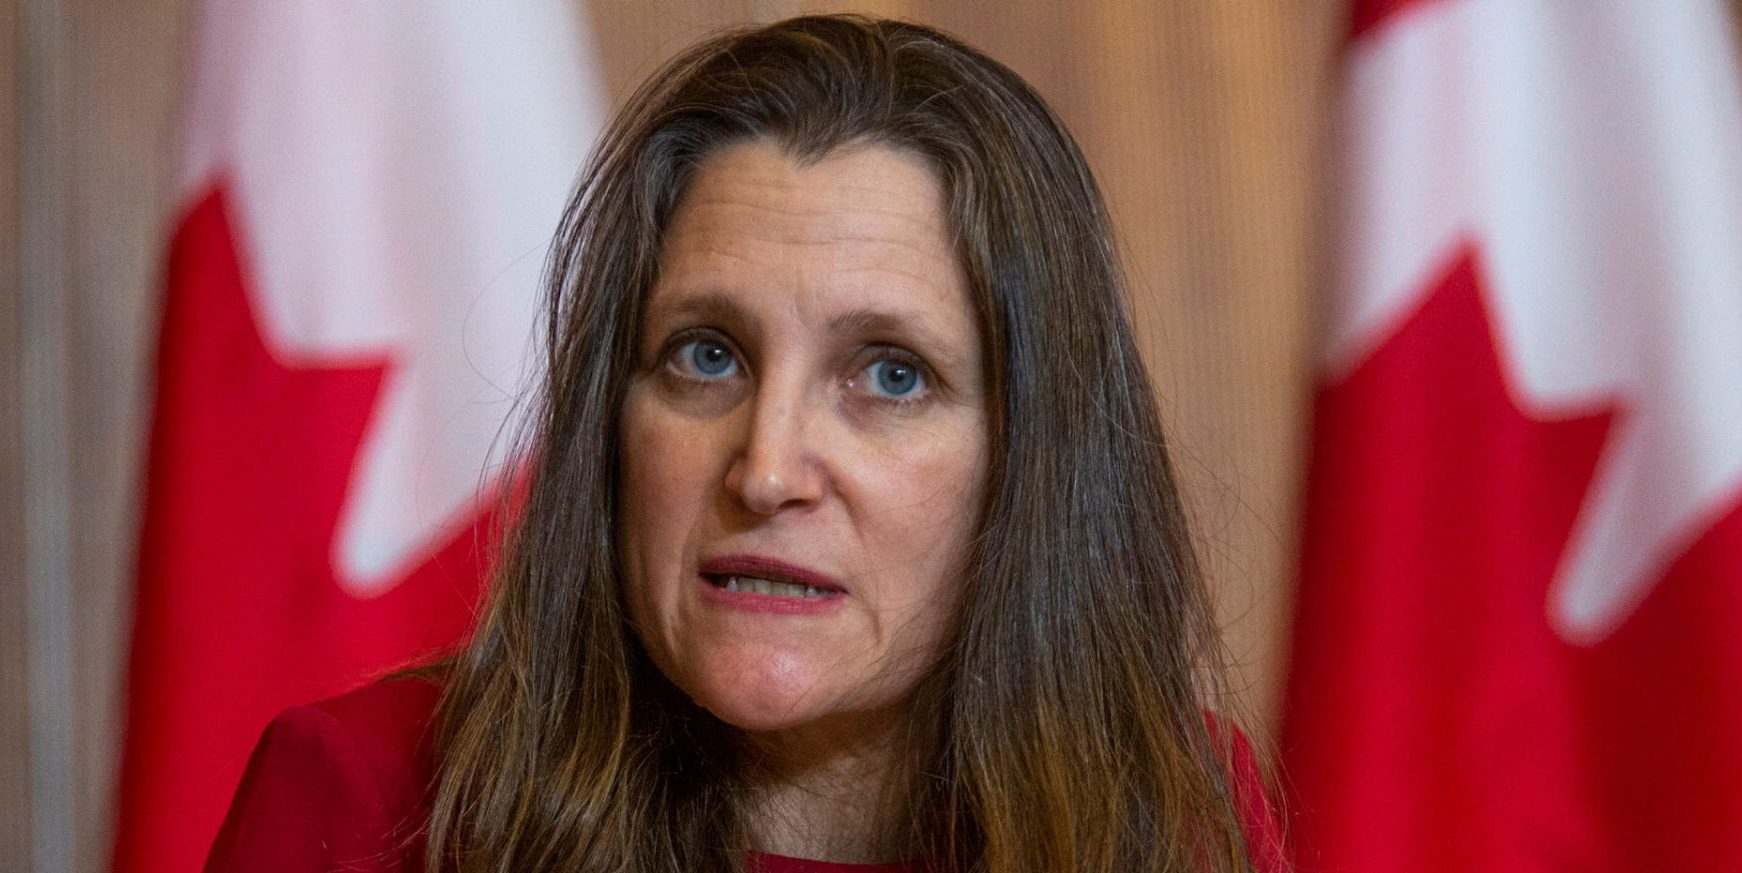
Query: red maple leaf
[1435, 721]
[239, 613]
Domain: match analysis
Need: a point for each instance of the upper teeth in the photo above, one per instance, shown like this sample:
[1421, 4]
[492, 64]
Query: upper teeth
[755, 585]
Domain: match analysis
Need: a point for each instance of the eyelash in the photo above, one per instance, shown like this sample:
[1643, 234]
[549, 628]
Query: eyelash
[884, 353]
[680, 341]
[897, 355]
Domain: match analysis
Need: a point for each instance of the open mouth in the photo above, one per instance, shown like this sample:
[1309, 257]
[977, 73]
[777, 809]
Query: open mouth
[768, 577]
[770, 587]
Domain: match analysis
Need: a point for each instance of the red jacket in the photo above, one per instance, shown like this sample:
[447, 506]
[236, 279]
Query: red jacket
[339, 786]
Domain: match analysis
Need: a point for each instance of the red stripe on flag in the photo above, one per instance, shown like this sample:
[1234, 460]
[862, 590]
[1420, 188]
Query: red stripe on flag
[239, 614]
[1424, 667]
[1435, 721]
[1660, 708]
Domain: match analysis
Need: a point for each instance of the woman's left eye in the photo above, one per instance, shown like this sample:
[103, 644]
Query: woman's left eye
[893, 378]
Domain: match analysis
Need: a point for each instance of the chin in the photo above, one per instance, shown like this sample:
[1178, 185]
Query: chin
[762, 696]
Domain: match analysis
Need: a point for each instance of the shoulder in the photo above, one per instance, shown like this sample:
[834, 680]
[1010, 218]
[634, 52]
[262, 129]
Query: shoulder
[388, 723]
[340, 783]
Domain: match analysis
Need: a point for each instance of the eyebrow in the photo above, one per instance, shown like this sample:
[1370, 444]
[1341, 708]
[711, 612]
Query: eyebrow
[874, 323]
[709, 305]
[719, 307]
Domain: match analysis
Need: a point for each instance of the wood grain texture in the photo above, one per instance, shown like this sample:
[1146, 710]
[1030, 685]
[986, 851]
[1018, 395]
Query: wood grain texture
[110, 115]
[15, 813]
[44, 351]
[122, 159]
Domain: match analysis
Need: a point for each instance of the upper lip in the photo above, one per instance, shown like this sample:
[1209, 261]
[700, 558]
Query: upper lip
[763, 567]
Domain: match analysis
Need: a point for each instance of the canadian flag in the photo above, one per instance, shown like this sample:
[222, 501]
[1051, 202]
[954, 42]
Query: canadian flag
[1519, 631]
[368, 194]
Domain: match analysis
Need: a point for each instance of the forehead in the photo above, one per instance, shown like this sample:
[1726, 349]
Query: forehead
[861, 225]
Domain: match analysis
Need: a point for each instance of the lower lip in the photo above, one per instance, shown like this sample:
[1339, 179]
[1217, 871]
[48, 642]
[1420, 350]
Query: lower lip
[773, 604]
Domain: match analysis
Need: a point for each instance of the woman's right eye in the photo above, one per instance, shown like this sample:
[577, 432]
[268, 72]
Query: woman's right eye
[704, 359]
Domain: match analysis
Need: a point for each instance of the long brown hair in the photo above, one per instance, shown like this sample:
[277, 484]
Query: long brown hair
[1065, 726]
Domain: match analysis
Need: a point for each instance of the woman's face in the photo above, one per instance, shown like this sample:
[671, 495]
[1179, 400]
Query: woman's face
[804, 438]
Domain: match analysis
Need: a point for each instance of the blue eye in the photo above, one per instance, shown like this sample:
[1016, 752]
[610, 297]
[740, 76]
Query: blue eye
[894, 378]
[706, 359]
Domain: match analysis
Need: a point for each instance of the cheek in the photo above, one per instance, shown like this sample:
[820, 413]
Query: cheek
[920, 509]
[925, 493]
[666, 474]
[669, 462]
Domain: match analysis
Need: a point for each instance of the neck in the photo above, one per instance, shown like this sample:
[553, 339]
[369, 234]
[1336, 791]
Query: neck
[836, 791]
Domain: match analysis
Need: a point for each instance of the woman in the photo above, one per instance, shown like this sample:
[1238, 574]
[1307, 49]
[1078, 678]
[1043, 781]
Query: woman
[850, 535]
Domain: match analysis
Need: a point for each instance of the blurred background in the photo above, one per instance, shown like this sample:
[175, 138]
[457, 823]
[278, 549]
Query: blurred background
[1210, 127]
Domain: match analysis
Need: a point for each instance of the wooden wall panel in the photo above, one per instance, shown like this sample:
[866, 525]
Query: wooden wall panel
[634, 38]
[122, 157]
[43, 348]
[15, 817]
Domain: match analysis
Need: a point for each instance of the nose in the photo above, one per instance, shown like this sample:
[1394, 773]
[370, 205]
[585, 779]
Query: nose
[776, 467]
